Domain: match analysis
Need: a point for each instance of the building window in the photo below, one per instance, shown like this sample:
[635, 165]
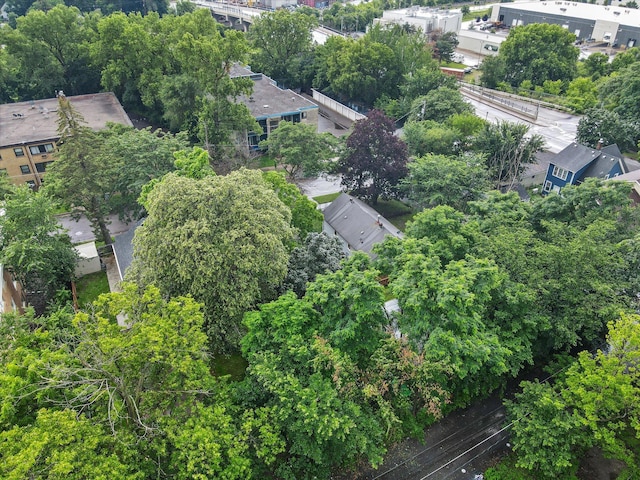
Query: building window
[25, 169]
[42, 166]
[31, 183]
[38, 149]
[547, 186]
[560, 173]
[19, 152]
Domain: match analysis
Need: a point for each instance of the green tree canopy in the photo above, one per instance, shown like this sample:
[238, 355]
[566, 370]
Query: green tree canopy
[362, 70]
[305, 216]
[320, 253]
[620, 92]
[593, 403]
[508, 149]
[60, 445]
[600, 124]
[431, 137]
[300, 148]
[446, 180]
[539, 52]
[279, 38]
[31, 245]
[439, 104]
[220, 239]
[50, 52]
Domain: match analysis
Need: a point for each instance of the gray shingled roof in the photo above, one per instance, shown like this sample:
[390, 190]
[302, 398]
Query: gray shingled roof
[575, 156]
[123, 248]
[359, 224]
[602, 166]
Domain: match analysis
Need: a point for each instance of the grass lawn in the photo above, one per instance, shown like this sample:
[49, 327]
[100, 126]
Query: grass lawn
[327, 198]
[90, 287]
[234, 365]
[475, 14]
[395, 211]
[262, 161]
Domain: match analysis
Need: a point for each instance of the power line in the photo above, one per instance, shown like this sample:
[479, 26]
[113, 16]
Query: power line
[592, 351]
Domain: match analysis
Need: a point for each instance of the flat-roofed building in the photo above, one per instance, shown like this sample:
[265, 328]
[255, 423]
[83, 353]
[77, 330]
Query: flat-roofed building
[29, 131]
[270, 105]
[613, 25]
[423, 18]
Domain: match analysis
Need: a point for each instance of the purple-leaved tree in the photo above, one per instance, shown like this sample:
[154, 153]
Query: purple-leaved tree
[374, 160]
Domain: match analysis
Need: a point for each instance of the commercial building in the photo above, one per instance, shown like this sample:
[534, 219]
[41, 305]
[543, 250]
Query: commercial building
[480, 43]
[613, 25]
[271, 105]
[29, 132]
[423, 18]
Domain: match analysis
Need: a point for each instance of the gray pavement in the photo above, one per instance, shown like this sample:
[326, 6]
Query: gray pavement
[80, 231]
[557, 128]
[323, 185]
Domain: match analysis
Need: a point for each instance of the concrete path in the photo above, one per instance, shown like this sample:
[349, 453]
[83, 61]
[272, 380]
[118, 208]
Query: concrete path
[313, 187]
[112, 273]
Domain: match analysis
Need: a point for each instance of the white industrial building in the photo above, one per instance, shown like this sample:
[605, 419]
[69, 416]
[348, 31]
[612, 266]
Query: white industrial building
[618, 26]
[423, 18]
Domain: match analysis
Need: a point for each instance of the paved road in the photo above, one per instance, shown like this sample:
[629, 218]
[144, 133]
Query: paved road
[557, 128]
[80, 231]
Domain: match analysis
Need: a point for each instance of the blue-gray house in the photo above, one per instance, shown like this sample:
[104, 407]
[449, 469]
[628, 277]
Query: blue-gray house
[577, 162]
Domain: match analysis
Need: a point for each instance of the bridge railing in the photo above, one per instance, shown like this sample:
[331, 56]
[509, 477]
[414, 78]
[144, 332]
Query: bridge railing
[337, 107]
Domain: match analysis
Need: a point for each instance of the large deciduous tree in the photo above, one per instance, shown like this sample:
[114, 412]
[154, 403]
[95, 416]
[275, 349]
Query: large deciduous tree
[280, 39]
[440, 104]
[600, 124]
[64, 446]
[593, 403]
[51, 51]
[431, 137]
[539, 52]
[300, 148]
[362, 70]
[457, 308]
[220, 239]
[445, 180]
[305, 216]
[89, 397]
[508, 148]
[135, 158]
[374, 160]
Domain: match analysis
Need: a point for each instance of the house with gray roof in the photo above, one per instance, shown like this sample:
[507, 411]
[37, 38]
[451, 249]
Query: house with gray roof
[577, 162]
[356, 224]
